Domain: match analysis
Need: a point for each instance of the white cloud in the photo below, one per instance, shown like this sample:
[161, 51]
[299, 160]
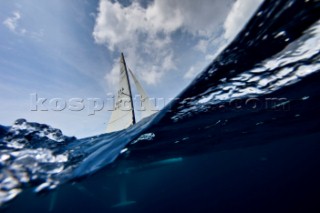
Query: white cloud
[112, 77]
[241, 12]
[145, 33]
[191, 73]
[12, 23]
[152, 76]
[202, 45]
[16, 25]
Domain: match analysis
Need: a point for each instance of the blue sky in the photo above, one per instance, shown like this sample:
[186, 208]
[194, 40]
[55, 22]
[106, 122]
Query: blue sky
[70, 49]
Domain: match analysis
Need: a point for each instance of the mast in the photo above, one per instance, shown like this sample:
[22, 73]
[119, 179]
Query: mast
[130, 93]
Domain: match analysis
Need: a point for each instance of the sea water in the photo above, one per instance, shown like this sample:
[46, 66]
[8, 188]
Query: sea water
[244, 136]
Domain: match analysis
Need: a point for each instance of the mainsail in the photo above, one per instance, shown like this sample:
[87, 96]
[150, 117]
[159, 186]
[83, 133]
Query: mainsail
[123, 114]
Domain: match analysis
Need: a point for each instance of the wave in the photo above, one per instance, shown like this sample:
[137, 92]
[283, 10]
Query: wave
[268, 76]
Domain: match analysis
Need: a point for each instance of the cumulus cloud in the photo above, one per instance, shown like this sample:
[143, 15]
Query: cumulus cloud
[241, 12]
[146, 33]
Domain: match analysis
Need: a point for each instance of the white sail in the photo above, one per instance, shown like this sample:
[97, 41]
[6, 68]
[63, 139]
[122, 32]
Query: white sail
[147, 108]
[123, 114]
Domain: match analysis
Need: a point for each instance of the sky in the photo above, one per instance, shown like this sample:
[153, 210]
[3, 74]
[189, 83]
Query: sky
[55, 53]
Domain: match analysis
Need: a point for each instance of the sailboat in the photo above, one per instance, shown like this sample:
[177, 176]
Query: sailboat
[123, 114]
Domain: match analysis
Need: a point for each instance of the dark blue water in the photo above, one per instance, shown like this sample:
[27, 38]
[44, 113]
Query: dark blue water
[244, 136]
